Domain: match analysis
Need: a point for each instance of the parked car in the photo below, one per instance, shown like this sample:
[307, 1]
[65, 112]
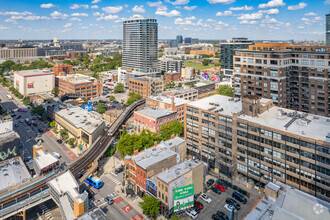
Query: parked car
[192, 213]
[21, 121]
[198, 210]
[222, 215]
[57, 155]
[28, 123]
[198, 204]
[206, 198]
[216, 217]
[18, 116]
[109, 200]
[221, 187]
[119, 170]
[216, 190]
[40, 129]
[16, 125]
[59, 141]
[239, 197]
[210, 182]
[34, 123]
[231, 201]
[229, 207]
[39, 135]
[90, 193]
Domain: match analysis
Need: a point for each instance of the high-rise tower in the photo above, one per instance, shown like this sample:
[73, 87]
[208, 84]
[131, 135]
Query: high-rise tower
[140, 44]
[327, 30]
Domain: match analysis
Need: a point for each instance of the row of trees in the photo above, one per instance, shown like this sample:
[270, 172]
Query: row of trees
[102, 63]
[132, 97]
[129, 143]
[37, 64]
[118, 88]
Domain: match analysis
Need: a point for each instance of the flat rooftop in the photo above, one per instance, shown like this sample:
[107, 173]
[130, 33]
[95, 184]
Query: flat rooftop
[204, 83]
[143, 79]
[156, 112]
[178, 170]
[77, 78]
[168, 99]
[12, 172]
[158, 153]
[312, 126]
[80, 118]
[180, 91]
[34, 72]
[65, 183]
[94, 214]
[218, 102]
[291, 204]
[44, 159]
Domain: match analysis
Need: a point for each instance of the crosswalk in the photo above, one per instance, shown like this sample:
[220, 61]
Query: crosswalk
[46, 212]
[112, 177]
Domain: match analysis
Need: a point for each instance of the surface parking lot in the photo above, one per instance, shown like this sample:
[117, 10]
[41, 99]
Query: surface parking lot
[218, 202]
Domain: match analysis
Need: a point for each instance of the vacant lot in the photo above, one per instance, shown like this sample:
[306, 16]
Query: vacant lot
[198, 66]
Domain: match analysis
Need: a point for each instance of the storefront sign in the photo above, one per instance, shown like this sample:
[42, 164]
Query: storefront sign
[183, 197]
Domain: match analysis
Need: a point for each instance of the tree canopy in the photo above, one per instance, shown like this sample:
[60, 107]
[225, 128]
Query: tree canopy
[132, 97]
[111, 98]
[38, 110]
[101, 108]
[150, 205]
[226, 90]
[119, 88]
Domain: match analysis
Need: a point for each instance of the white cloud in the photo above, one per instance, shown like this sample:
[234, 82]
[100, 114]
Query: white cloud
[190, 21]
[272, 4]
[76, 6]
[84, 27]
[225, 13]
[318, 18]
[75, 19]
[58, 15]
[49, 5]
[224, 2]
[97, 14]
[327, 2]
[164, 12]
[139, 9]
[301, 5]
[272, 11]
[112, 10]
[107, 18]
[137, 16]
[3, 27]
[68, 25]
[178, 2]
[79, 15]
[95, 1]
[248, 22]
[27, 18]
[5, 13]
[310, 14]
[304, 19]
[269, 20]
[210, 20]
[94, 7]
[155, 4]
[253, 16]
[187, 8]
[120, 20]
[244, 8]
[165, 27]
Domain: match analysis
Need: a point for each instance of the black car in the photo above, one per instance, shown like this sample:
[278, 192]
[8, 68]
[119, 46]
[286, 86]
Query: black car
[231, 201]
[90, 193]
[18, 116]
[59, 141]
[197, 209]
[210, 182]
[40, 129]
[119, 170]
[216, 217]
[216, 190]
[40, 140]
[222, 215]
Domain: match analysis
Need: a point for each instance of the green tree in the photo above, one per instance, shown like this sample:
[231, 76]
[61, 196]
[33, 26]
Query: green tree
[55, 91]
[174, 127]
[111, 98]
[52, 124]
[101, 108]
[64, 134]
[180, 85]
[150, 205]
[205, 62]
[38, 110]
[175, 217]
[226, 90]
[72, 141]
[132, 97]
[26, 100]
[119, 88]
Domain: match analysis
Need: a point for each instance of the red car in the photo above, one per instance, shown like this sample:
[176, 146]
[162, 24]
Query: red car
[198, 204]
[222, 188]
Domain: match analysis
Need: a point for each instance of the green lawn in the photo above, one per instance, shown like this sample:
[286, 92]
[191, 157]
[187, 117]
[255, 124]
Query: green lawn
[198, 66]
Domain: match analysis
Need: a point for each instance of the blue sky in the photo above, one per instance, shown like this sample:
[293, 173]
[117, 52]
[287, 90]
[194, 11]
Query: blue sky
[205, 19]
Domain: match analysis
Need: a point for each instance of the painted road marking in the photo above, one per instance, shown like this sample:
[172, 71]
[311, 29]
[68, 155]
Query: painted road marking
[113, 179]
[49, 133]
[127, 208]
[118, 200]
[68, 152]
[137, 217]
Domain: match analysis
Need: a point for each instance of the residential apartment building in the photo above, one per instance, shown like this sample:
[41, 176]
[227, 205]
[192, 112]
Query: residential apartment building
[146, 86]
[63, 69]
[187, 72]
[140, 44]
[168, 102]
[152, 119]
[170, 65]
[254, 142]
[228, 48]
[295, 77]
[186, 93]
[327, 30]
[34, 82]
[79, 84]
[12, 53]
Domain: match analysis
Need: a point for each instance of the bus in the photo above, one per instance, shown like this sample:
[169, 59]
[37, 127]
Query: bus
[94, 181]
[9, 97]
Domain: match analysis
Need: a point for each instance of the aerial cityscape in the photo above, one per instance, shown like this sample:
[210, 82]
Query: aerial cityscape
[168, 109]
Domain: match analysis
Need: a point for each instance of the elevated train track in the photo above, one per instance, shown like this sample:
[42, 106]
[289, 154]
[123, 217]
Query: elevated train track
[78, 166]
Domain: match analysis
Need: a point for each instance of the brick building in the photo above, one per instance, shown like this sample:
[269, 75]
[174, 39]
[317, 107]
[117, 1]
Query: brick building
[199, 52]
[185, 92]
[79, 84]
[254, 142]
[63, 69]
[152, 119]
[146, 86]
[172, 76]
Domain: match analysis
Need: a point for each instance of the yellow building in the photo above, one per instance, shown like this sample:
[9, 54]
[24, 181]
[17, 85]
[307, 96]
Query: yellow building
[199, 52]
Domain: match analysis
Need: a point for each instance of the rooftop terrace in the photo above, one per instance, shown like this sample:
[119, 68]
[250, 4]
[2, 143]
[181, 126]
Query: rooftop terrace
[77, 78]
[156, 112]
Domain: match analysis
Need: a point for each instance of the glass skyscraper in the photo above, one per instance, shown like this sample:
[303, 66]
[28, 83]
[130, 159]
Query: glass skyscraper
[140, 44]
[327, 30]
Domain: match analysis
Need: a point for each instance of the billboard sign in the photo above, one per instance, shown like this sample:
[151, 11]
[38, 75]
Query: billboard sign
[183, 197]
[30, 85]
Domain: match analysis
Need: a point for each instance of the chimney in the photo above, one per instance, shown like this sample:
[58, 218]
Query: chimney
[155, 144]
[172, 136]
[172, 104]
[136, 152]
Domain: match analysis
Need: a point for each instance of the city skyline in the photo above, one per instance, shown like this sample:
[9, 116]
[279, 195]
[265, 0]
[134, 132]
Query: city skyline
[205, 19]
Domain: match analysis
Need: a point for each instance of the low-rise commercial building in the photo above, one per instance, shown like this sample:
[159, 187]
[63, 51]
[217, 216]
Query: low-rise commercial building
[205, 88]
[168, 102]
[170, 65]
[12, 53]
[199, 52]
[153, 119]
[172, 76]
[79, 84]
[125, 74]
[253, 142]
[34, 82]
[85, 126]
[187, 73]
[146, 86]
[43, 162]
[63, 69]
[186, 93]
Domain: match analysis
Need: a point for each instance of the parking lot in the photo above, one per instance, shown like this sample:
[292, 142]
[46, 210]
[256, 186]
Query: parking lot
[218, 202]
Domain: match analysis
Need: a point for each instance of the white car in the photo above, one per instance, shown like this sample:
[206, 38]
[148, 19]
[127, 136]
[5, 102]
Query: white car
[57, 155]
[192, 213]
[206, 198]
[229, 208]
